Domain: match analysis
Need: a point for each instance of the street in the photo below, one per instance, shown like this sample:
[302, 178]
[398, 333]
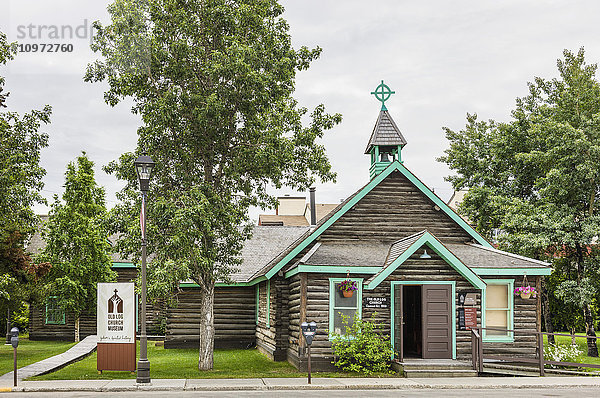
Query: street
[459, 393]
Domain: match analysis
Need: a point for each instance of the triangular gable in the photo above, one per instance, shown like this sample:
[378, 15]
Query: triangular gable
[434, 244]
[394, 166]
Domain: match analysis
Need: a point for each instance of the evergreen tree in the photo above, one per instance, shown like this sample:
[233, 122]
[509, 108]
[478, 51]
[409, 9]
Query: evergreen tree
[77, 243]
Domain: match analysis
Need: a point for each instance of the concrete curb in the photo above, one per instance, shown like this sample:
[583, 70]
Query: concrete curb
[272, 384]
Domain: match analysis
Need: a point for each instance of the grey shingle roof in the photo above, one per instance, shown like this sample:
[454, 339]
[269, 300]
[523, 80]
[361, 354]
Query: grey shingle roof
[265, 247]
[36, 243]
[359, 254]
[385, 132]
[477, 256]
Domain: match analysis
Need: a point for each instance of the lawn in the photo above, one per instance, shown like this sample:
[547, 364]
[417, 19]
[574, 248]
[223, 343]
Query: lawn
[30, 352]
[183, 364]
[581, 342]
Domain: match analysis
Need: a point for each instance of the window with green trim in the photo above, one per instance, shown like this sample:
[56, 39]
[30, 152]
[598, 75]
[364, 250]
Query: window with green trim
[499, 309]
[340, 306]
[55, 314]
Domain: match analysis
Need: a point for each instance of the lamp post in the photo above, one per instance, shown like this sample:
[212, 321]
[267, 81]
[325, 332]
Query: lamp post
[143, 168]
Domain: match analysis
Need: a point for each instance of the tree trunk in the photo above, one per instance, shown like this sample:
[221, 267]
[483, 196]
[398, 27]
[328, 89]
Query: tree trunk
[207, 330]
[77, 330]
[546, 312]
[589, 330]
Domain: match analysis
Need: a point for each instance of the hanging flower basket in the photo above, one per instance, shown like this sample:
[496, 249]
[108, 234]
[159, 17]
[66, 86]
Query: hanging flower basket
[347, 287]
[526, 292]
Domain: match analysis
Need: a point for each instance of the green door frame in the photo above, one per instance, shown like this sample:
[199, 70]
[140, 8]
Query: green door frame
[392, 322]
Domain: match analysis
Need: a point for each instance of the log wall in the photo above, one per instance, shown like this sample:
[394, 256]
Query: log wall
[39, 330]
[272, 337]
[413, 269]
[394, 210]
[234, 318]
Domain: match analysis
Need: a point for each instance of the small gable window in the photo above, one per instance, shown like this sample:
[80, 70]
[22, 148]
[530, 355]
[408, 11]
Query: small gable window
[499, 310]
[340, 305]
[55, 314]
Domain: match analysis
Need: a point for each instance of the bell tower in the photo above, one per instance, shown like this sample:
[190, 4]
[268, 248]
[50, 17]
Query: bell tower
[386, 142]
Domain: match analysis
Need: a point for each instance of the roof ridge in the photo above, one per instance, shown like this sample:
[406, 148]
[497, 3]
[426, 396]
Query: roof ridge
[410, 236]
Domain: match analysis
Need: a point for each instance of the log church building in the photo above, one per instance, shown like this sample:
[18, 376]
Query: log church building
[424, 272]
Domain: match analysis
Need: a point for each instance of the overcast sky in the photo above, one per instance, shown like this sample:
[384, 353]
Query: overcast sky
[442, 58]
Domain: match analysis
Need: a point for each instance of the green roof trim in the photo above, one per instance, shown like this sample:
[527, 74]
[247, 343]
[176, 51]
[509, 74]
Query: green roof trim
[123, 265]
[433, 243]
[512, 271]
[222, 284]
[395, 165]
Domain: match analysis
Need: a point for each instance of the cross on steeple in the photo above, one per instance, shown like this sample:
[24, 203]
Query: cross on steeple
[386, 142]
[383, 93]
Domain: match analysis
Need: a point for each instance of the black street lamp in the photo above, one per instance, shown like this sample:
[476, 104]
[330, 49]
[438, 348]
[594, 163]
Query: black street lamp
[143, 167]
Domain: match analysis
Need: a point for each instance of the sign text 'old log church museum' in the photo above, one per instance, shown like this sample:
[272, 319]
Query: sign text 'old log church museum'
[425, 272]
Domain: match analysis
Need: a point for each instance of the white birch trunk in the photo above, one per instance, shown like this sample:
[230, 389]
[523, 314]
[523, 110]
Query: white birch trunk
[207, 329]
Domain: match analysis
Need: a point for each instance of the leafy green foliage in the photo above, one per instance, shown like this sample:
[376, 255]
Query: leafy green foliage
[20, 183]
[213, 84]
[77, 240]
[537, 177]
[363, 348]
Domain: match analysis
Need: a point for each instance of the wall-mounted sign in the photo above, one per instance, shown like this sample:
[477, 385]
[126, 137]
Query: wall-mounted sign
[470, 299]
[467, 299]
[376, 302]
[116, 313]
[470, 317]
[467, 318]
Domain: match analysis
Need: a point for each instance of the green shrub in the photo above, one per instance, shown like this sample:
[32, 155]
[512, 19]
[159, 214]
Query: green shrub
[363, 348]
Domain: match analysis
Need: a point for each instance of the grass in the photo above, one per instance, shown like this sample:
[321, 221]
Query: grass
[582, 344]
[30, 352]
[183, 364]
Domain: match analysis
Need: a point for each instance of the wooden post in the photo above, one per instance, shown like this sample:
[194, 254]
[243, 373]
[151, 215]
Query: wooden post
[541, 352]
[474, 349]
[303, 294]
[480, 350]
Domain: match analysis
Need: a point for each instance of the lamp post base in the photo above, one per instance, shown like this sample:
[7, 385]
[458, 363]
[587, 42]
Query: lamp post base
[143, 371]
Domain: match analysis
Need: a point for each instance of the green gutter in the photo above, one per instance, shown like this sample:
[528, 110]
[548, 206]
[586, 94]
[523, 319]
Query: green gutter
[123, 265]
[512, 271]
[333, 269]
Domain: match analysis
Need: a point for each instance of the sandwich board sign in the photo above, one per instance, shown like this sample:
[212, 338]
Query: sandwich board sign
[116, 327]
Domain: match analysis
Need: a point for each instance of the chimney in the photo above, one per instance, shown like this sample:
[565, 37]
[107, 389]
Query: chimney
[313, 207]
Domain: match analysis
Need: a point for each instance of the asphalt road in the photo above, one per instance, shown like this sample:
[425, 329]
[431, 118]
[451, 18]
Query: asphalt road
[437, 393]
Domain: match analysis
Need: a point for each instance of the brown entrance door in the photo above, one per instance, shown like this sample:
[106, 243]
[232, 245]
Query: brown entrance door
[437, 321]
[399, 322]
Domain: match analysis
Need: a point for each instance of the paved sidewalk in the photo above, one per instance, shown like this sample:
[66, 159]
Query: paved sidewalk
[301, 383]
[75, 353]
